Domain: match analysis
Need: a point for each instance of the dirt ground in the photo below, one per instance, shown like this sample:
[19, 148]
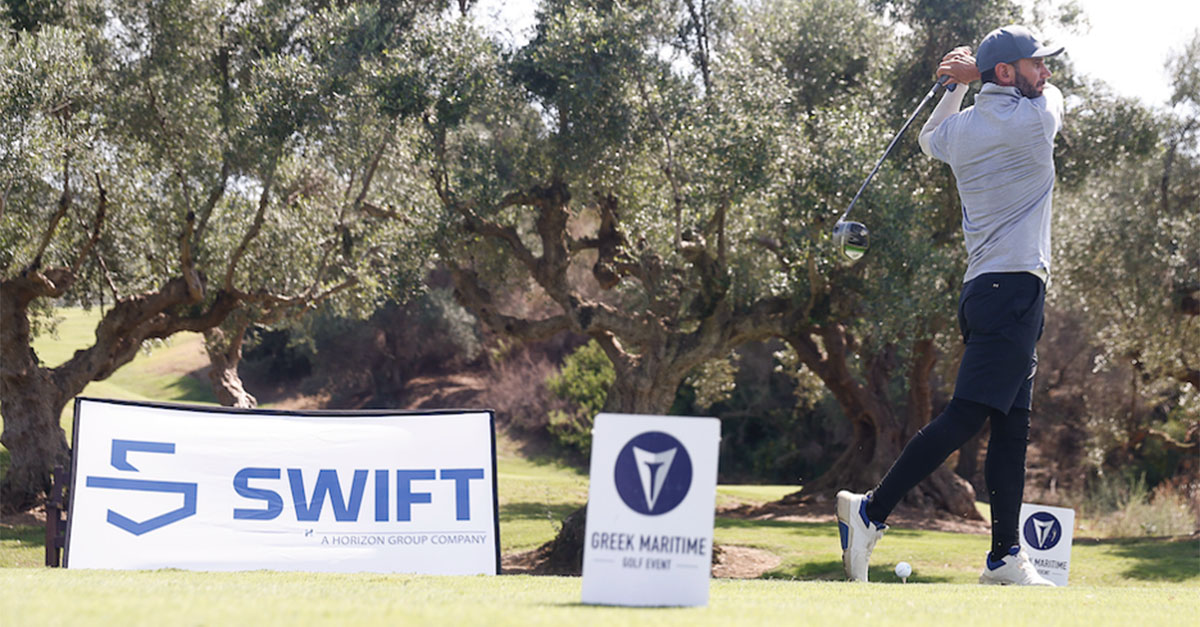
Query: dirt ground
[740, 562]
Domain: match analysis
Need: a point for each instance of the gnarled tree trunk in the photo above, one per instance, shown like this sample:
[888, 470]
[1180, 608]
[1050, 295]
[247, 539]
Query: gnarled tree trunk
[879, 432]
[31, 402]
[225, 354]
[32, 396]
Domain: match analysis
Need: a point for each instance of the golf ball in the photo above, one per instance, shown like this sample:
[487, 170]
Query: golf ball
[903, 570]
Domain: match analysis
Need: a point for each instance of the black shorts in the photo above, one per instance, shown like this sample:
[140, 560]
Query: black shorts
[1000, 316]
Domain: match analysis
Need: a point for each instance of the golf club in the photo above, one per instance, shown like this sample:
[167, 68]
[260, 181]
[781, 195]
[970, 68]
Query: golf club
[853, 238]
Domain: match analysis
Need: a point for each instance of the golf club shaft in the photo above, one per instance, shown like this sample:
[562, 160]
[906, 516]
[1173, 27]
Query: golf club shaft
[907, 123]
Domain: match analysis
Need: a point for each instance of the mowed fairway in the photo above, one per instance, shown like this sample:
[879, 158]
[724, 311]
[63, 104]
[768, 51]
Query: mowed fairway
[55, 597]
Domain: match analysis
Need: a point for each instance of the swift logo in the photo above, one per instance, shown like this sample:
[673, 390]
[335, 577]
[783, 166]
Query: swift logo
[120, 461]
[653, 473]
[1042, 531]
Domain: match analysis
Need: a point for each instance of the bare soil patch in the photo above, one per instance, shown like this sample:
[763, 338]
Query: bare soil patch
[29, 518]
[732, 562]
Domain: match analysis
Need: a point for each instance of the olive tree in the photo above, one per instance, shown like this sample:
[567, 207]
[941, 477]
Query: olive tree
[1129, 248]
[665, 177]
[193, 165]
[627, 193]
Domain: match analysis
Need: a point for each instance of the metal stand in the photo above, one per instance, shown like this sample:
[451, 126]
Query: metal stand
[56, 522]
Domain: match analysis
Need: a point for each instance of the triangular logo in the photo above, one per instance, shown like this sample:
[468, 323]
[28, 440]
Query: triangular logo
[652, 470]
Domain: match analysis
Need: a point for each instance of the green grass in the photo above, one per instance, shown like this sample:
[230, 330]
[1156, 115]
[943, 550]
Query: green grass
[730, 495]
[52, 597]
[1113, 582]
[534, 498]
[22, 546]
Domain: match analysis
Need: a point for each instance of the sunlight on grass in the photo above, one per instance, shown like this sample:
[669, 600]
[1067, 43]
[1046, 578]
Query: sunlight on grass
[22, 546]
[534, 498]
[268, 598]
[732, 495]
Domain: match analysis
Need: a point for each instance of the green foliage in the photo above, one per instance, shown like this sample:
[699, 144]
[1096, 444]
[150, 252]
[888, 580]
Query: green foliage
[582, 66]
[583, 383]
[268, 126]
[778, 423]
[713, 381]
[1127, 247]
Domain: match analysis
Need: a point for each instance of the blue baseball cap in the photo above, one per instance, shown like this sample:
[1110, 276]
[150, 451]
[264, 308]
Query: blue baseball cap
[1009, 44]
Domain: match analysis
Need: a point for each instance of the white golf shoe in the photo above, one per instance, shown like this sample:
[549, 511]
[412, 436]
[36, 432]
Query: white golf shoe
[1014, 569]
[858, 533]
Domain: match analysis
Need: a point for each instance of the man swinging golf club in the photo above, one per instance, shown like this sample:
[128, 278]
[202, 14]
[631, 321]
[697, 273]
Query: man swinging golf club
[1001, 153]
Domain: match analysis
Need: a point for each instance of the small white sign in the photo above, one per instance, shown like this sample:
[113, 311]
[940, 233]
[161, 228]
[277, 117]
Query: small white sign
[651, 498]
[212, 488]
[1046, 534]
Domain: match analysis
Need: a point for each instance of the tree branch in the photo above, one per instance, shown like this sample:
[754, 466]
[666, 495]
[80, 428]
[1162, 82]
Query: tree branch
[214, 196]
[700, 25]
[505, 234]
[64, 204]
[369, 177]
[469, 291]
[97, 224]
[669, 167]
[130, 322]
[112, 286]
[264, 200]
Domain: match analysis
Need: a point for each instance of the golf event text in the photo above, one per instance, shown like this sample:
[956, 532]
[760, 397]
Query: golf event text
[653, 544]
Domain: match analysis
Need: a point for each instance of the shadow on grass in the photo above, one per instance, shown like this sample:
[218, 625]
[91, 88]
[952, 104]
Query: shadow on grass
[535, 511]
[191, 388]
[1155, 559]
[831, 570]
[808, 569]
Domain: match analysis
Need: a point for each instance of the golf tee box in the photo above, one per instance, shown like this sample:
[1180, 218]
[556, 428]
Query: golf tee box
[1046, 535]
[651, 498]
[219, 489]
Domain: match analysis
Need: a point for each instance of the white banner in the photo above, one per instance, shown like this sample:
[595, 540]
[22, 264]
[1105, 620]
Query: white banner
[651, 499]
[1046, 535]
[202, 488]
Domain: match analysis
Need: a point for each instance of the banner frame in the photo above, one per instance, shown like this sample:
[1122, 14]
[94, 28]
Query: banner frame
[315, 413]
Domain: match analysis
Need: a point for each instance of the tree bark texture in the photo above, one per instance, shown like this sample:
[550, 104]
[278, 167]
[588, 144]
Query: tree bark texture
[31, 401]
[224, 355]
[33, 396]
[879, 431]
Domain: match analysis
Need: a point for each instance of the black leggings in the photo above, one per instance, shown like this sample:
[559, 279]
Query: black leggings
[1004, 469]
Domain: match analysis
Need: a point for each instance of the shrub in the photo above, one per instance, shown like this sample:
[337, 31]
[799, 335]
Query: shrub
[583, 383]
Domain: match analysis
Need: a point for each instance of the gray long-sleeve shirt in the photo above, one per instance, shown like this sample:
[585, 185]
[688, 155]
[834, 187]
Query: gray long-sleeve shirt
[1001, 150]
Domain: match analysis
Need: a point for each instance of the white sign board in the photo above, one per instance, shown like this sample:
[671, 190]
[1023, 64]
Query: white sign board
[203, 488]
[651, 498]
[1046, 534]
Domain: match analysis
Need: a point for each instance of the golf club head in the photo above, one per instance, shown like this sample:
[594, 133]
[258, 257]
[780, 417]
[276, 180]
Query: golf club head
[851, 238]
